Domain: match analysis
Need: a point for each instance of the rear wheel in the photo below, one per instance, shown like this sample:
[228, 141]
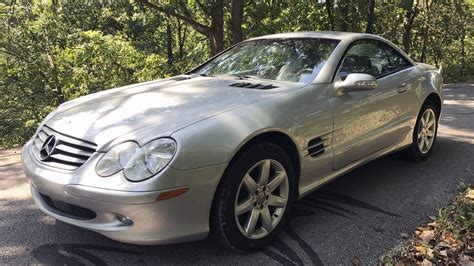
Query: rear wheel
[424, 134]
[254, 197]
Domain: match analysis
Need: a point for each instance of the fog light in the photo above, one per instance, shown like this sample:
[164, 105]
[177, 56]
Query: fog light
[125, 220]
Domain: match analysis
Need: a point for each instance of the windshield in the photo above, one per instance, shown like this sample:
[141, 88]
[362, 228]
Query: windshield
[294, 60]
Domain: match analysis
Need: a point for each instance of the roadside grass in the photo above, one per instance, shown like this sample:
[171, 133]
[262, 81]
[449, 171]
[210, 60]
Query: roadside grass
[447, 240]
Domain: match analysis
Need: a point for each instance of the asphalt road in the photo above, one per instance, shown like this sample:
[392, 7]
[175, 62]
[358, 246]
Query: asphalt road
[361, 214]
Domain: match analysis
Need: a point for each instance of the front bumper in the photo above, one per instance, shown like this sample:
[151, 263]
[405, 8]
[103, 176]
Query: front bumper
[184, 218]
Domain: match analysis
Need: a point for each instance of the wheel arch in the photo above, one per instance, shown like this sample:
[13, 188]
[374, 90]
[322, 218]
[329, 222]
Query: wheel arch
[279, 138]
[434, 97]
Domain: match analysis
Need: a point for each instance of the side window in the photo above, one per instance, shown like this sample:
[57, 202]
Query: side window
[371, 57]
[395, 61]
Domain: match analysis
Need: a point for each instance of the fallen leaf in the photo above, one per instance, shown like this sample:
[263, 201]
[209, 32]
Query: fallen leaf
[429, 253]
[470, 194]
[426, 262]
[427, 235]
[420, 249]
[404, 235]
[443, 253]
[355, 260]
[433, 224]
[433, 217]
[449, 239]
[443, 245]
[466, 260]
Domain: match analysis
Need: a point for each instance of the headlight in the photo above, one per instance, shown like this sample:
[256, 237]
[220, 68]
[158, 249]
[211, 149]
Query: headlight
[138, 163]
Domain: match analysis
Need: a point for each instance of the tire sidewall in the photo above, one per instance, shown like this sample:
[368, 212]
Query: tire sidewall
[229, 187]
[417, 154]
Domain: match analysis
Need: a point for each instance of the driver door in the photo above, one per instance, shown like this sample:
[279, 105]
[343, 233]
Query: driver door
[366, 121]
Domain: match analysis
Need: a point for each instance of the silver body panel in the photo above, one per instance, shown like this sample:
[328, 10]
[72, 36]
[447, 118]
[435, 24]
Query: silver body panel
[210, 122]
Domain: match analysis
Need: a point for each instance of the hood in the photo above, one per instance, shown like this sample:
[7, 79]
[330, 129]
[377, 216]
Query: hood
[164, 106]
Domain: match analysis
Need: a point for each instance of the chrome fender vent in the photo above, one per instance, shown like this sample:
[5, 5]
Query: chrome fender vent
[317, 146]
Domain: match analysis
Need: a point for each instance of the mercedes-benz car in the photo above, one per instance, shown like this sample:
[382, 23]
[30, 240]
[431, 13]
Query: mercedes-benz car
[226, 148]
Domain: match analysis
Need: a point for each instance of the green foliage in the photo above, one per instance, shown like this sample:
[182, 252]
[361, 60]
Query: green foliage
[90, 62]
[54, 51]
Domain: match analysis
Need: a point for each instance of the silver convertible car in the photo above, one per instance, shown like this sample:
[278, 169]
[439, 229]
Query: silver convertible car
[228, 147]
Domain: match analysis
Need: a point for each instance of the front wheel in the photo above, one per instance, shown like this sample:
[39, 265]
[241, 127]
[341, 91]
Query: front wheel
[424, 134]
[253, 199]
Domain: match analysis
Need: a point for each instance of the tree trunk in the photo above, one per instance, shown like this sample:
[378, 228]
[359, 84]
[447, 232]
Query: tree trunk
[214, 33]
[462, 60]
[425, 31]
[344, 9]
[410, 14]
[329, 10]
[216, 37]
[236, 21]
[182, 30]
[169, 42]
[370, 17]
[463, 53]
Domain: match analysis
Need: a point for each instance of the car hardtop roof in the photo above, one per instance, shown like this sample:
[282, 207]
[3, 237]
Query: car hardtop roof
[338, 35]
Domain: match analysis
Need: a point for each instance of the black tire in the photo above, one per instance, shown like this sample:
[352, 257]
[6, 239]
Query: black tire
[413, 153]
[223, 221]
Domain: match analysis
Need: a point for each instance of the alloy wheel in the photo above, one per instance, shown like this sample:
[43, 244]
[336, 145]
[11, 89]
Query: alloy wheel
[261, 199]
[426, 131]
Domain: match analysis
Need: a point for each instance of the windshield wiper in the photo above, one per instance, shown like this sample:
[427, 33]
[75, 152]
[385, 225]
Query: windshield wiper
[244, 76]
[199, 74]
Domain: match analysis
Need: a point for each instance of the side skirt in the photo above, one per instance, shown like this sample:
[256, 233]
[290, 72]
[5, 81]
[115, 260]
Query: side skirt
[303, 191]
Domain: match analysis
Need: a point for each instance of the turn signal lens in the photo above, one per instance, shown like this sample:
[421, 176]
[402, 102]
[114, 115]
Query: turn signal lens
[172, 194]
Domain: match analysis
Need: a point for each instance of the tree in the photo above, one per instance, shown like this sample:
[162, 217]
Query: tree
[329, 10]
[411, 10]
[236, 21]
[213, 12]
[370, 16]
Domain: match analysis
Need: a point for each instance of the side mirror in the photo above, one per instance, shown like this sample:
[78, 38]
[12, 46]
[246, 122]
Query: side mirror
[356, 82]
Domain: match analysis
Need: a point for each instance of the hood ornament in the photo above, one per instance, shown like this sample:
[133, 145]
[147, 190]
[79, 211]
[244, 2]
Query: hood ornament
[47, 149]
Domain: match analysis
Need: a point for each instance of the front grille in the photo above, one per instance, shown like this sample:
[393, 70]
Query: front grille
[69, 153]
[69, 210]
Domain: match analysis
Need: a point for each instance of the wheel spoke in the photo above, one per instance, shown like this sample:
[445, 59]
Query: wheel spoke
[266, 219]
[430, 123]
[430, 134]
[277, 181]
[421, 143]
[264, 173]
[244, 207]
[420, 135]
[427, 144]
[276, 201]
[251, 222]
[250, 184]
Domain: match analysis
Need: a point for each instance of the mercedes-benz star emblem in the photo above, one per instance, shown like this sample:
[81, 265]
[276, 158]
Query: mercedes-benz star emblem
[48, 147]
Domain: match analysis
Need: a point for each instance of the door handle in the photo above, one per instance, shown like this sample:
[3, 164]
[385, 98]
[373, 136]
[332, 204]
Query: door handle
[402, 88]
